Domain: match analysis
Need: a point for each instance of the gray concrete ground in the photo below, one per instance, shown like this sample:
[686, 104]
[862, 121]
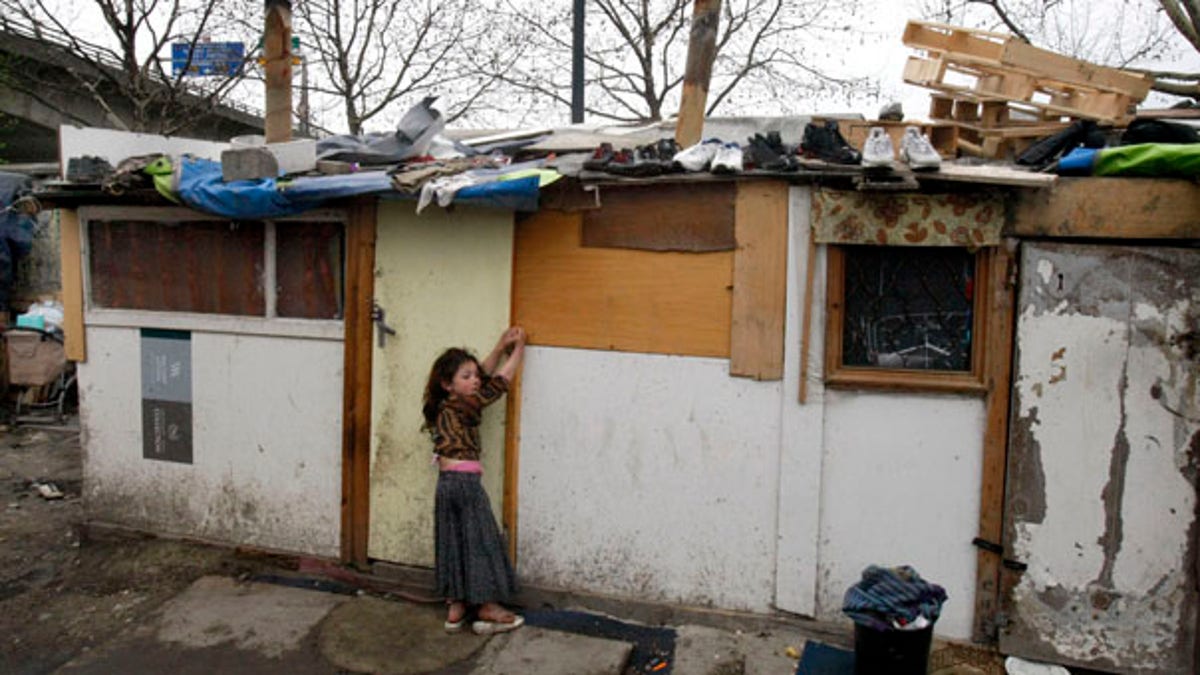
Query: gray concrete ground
[75, 599]
[219, 624]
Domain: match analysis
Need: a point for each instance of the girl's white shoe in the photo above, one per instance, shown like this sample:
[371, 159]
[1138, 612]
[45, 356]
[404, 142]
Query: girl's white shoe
[494, 627]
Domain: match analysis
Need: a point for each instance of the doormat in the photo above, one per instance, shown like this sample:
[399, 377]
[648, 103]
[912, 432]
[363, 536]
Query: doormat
[653, 648]
[822, 659]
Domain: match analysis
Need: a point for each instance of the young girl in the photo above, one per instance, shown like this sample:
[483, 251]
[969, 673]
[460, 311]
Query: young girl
[471, 560]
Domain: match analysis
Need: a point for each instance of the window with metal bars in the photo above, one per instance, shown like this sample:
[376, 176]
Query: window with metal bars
[905, 317]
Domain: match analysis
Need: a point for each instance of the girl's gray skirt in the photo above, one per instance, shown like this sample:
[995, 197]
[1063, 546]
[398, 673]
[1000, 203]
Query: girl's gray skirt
[471, 559]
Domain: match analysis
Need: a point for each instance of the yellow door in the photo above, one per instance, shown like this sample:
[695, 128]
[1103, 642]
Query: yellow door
[443, 279]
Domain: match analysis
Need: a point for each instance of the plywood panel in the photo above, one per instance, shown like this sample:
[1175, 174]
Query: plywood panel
[635, 301]
[759, 281]
[697, 217]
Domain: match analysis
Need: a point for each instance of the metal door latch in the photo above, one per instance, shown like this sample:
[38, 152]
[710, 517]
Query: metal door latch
[381, 328]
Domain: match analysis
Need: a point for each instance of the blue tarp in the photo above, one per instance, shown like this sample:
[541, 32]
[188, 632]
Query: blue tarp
[201, 187]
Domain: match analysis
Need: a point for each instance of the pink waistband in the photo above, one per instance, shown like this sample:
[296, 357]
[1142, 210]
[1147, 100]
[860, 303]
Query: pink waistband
[465, 466]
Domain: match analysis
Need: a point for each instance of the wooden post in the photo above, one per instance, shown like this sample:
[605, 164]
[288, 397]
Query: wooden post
[998, 376]
[702, 49]
[356, 393]
[277, 55]
[72, 284]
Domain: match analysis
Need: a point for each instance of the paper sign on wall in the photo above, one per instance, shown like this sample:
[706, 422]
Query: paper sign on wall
[167, 395]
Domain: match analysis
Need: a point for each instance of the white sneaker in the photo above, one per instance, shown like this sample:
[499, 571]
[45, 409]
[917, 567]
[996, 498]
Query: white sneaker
[917, 152]
[698, 156]
[728, 159]
[878, 151]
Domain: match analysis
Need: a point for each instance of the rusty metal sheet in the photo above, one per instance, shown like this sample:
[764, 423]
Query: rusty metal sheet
[308, 269]
[203, 266]
[1104, 458]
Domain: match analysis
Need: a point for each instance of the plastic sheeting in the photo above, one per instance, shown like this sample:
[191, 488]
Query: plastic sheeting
[199, 184]
[1160, 160]
[412, 138]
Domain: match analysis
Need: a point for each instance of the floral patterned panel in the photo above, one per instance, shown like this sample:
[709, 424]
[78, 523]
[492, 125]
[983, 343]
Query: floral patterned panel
[891, 219]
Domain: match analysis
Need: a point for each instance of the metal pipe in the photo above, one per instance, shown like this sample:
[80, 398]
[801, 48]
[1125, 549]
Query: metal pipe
[577, 65]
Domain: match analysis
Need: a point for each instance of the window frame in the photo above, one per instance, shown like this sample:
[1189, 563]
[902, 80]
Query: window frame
[838, 375]
[269, 324]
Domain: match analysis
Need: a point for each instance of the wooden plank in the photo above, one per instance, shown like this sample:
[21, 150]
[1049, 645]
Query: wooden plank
[1050, 64]
[71, 265]
[671, 217]
[991, 175]
[356, 395]
[984, 47]
[759, 281]
[566, 295]
[702, 49]
[806, 325]
[512, 465]
[1119, 208]
[998, 379]
[936, 37]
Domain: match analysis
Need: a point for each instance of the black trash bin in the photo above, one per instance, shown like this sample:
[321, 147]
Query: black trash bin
[891, 652]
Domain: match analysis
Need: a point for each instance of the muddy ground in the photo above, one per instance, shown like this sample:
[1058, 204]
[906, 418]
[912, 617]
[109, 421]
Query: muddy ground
[62, 593]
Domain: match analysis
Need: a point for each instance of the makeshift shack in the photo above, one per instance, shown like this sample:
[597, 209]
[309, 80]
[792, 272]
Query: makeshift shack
[741, 390]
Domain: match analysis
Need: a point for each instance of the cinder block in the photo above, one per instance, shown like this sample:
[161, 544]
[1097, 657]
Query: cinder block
[248, 163]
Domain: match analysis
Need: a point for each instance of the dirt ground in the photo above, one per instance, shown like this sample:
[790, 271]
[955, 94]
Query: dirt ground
[61, 594]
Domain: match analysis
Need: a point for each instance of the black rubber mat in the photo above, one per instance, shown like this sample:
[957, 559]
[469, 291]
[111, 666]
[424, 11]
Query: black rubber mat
[653, 648]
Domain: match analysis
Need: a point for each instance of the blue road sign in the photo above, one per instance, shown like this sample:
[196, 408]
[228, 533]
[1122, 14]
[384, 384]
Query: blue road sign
[208, 58]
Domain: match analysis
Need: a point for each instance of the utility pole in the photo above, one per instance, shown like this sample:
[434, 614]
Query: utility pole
[577, 65]
[702, 49]
[277, 53]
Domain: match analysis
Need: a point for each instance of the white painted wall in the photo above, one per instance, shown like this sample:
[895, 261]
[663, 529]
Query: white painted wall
[648, 476]
[803, 427]
[267, 418]
[663, 478]
[900, 486]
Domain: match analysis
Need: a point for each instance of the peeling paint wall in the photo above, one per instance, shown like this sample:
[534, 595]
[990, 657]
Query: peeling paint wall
[648, 476]
[900, 486]
[267, 425]
[1103, 465]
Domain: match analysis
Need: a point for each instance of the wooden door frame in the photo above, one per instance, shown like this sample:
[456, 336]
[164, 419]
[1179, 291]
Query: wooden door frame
[356, 394]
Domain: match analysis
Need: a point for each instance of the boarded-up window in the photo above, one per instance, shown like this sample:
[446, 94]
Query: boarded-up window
[308, 269]
[208, 267]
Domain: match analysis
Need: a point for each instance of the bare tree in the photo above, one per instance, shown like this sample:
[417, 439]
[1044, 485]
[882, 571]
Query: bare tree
[373, 54]
[1116, 34]
[117, 62]
[636, 52]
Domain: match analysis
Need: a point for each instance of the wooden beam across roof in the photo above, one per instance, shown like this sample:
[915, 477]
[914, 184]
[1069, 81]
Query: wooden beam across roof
[1117, 208]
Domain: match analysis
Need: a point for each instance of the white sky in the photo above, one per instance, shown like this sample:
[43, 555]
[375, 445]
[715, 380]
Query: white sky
[876, 53]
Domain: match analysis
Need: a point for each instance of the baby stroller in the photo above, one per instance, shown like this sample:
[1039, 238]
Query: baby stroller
[38, 366]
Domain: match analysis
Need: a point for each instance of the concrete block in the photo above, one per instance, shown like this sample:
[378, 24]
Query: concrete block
[248, 163]
[295, 156]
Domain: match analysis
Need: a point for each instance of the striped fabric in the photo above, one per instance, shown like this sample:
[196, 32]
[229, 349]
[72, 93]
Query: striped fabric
[471, 561]
[891, 596]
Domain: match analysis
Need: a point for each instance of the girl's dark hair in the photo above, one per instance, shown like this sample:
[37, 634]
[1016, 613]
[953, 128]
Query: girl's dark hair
[443, 371]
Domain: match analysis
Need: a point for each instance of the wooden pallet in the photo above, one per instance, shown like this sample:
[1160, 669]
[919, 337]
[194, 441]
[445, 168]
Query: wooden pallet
[988, 129]
[993, 67]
